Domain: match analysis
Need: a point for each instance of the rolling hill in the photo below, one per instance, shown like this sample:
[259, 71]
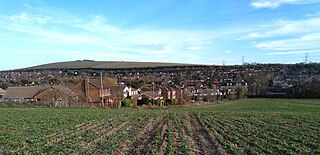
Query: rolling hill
[80, 64]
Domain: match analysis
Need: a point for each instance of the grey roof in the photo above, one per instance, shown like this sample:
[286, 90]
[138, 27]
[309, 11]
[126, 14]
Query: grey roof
[23, 92]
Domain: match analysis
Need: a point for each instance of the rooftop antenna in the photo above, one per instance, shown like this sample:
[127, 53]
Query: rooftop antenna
[306, 58]
[223, 63]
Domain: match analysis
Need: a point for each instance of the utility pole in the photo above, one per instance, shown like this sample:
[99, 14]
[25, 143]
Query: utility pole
[306, 58]
[120, 92]
[242, 60]
[153, 93]
[223, 63]
[101, 91]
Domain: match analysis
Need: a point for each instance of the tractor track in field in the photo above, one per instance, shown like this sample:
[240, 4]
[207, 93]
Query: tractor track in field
[124, 146]
[204, 143]
[164, 143]
[144, 141]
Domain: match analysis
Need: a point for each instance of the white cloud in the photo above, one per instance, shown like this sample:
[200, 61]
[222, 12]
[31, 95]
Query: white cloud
[308, 41]
[23, 17]
[286, 27]
[47, 33]
[99, 24]
[294, 52]
[98, 34]
[78, 35]
[195, 48]
[278, 3]
[282, 35]
[228, 51]
[27, 5]
[253, 35]
[27, 18]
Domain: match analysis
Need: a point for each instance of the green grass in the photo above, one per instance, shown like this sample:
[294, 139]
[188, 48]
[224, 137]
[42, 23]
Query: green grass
[263, 126]
[266, 106]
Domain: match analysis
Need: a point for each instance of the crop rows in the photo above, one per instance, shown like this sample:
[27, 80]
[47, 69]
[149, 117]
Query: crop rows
[171, 131]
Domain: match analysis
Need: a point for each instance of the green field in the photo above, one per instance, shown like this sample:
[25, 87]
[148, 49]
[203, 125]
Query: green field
[250, 126]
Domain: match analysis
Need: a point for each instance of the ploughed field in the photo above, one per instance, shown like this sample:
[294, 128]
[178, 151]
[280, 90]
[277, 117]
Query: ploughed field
[250, 126]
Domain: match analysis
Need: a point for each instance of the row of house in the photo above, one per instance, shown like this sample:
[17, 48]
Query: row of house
[87, 92]
[164, 94]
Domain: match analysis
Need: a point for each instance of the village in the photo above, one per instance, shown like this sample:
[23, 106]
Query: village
[160, 86]
[101, 94]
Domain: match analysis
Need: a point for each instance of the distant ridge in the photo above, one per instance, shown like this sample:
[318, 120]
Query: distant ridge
[91, 64]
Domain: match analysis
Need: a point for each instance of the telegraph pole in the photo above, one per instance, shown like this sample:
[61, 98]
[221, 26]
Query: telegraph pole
[306, 58]
[101, 91]
[242, 60]
[153, 93]
[120, 92]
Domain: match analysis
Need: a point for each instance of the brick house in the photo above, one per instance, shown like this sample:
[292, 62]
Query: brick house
[179, 93]
[165, 93]
[91, 90]
[173, 93]
[59, 96]
[94, 92]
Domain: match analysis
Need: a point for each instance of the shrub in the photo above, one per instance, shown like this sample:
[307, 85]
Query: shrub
[129, 102]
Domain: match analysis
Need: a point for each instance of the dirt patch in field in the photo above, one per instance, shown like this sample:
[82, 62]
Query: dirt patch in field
[189, 140]
[204, 144]
[163, 146]
[176, 139]
[124, 147]
[144, 141]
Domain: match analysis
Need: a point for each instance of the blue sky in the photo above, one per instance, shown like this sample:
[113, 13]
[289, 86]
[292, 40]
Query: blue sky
[34, 32]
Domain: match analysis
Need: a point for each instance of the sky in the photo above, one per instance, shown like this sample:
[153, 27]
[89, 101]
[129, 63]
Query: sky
[34, 32]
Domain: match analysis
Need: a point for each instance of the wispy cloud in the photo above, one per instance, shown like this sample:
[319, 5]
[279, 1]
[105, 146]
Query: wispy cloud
[309, 41]
[97, 33]
[294, 52]
[284, 27]
[27, 18]
[98, 24]
[287, 36]
[228, 51]
[277, 3]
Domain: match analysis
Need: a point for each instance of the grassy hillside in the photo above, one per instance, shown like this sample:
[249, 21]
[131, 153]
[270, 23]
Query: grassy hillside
[104, 65]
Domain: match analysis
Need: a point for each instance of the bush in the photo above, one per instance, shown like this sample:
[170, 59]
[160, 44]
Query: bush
[241, 91]
[145, 101]
[172, 101]
[158, 102]
[129, 102]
